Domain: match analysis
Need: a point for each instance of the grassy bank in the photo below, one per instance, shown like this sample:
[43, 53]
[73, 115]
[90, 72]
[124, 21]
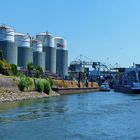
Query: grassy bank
[9, 90]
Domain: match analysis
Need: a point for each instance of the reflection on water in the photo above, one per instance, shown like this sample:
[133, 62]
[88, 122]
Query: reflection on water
[88, 116]
[31, 109]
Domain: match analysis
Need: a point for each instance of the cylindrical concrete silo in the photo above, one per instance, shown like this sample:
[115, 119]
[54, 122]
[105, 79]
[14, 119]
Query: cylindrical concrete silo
[38, 55]
[25, 54]
[48, 47]
[61, 56]
[7, 44]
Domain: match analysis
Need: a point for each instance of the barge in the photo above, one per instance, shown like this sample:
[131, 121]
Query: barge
[129, 81]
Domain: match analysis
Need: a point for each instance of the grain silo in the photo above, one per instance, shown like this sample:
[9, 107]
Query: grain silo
[7, 44]
[48, 47]
[25, 54]
[38, 55]
[61, 56]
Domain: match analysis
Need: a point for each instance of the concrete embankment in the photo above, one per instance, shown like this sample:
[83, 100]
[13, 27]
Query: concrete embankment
[63, 91]
[71, 87]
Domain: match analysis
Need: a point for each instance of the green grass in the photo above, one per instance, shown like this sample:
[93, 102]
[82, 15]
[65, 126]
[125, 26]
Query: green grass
[4, 76]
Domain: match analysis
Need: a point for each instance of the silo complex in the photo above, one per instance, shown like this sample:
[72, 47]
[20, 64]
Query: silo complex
[50, 52]
[25, 54]
[45, 51]
[38, 55]
[61, 56]
[7, 44]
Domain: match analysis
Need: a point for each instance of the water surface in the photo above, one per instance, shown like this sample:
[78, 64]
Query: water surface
[89, 116]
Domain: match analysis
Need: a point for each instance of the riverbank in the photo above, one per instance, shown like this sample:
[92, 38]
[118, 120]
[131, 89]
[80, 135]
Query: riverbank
[9, 90]
[13, 94]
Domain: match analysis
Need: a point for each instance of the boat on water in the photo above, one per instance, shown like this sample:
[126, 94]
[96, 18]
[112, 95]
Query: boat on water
[136, 87]
[130, 81]
[104, 87]
[129, 89]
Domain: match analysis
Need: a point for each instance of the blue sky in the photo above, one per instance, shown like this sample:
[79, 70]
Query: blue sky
[103, 30]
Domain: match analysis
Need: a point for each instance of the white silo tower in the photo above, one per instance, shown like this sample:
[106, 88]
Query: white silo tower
[25, 55]
[7, 44]
[38, 54]
[61, 56]
[50, 51]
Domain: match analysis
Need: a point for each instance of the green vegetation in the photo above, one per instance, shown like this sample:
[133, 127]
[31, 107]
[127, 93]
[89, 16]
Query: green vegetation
[51, 82]
[5, 68]
[40, 85]
[47, 87]
[14, 69]
[25, 83]
[39, 71]
[4, 76]
[43, 85]
[30, 66]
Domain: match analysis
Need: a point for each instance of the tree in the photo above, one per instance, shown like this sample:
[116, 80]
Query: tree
[39, 71]
[30, 67]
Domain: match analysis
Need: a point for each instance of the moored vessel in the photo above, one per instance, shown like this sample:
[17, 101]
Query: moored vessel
[128, 80]
[104, 86]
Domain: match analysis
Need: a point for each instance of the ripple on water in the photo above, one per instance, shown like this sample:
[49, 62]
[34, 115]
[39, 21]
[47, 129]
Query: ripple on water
[81, 117]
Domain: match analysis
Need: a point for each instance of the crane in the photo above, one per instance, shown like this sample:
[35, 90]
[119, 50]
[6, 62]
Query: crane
[83, 61]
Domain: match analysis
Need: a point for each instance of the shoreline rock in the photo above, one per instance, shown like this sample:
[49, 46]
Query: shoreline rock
[13, 94]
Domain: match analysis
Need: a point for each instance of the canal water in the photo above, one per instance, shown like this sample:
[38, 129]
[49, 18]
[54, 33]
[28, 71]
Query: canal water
[89, 116]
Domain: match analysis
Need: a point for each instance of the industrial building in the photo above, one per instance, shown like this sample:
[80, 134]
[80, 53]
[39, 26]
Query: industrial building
[25, 54]
[45, 50]
[38, 54]
[7, 44]
[83, 68]
[49, 49]
[61, 56]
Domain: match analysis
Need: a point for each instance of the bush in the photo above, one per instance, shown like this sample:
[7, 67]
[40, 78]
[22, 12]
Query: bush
[22, 84]
[40, 85]
[30, 66]
[39, 71]
[37, 74]
[51, 82]
[47, 86]
[29, 81]
[43, 85]
[25, 83]
[14, 69]
[21, 74]
[5, 68]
